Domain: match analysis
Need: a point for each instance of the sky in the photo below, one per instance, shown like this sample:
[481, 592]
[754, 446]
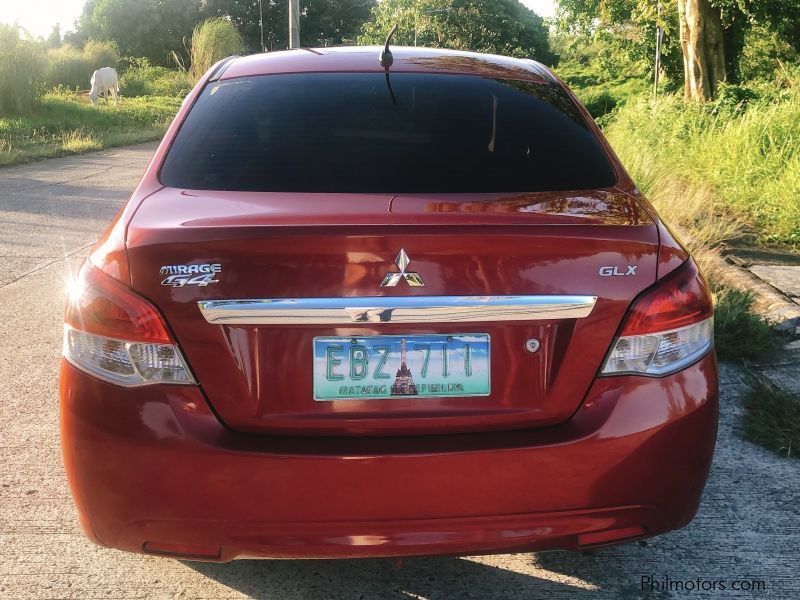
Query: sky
[39, 16]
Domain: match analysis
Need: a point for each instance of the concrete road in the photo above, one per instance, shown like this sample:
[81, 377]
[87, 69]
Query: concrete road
[748, 527]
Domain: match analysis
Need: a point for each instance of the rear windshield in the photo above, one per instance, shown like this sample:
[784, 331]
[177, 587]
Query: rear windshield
[351, 132]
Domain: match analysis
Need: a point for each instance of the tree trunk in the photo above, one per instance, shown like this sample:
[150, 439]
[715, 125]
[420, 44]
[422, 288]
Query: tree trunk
[703, 50]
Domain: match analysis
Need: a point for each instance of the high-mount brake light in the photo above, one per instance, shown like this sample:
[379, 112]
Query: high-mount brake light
[116, 335]
[667, 328]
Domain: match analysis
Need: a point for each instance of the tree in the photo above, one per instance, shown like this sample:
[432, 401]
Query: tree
[704, 38]
[244, 14]
[704, 65]
[322, 22]
[154, 29]
[148, 28]
[497, 26]
[54, 39]
[332, 22]
[84, 27]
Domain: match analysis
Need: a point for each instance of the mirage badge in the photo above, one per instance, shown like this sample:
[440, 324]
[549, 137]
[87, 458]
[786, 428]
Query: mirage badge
[181, 275]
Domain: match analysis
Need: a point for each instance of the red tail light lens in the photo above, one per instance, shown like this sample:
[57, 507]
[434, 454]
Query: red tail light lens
[668, 328]
[680, 299]
[99, 304]
[116, 335]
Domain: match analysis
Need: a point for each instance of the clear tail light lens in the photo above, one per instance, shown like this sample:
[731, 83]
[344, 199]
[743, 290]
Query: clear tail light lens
[667, 328]
[116, 335]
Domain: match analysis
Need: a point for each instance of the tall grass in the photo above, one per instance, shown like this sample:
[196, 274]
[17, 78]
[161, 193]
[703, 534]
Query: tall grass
[743, 150]
[213, 40]
[678, 157]
[73, 67]
[600, 94]
[21, 70]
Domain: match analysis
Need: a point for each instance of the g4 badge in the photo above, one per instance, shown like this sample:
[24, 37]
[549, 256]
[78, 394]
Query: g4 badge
[181, 275]
[616, 272]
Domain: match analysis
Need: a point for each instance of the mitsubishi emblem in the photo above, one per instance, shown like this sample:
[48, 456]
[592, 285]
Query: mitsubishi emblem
[393, 278]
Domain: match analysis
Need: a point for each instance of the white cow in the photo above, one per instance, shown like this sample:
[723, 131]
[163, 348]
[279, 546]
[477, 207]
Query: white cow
[104, 80]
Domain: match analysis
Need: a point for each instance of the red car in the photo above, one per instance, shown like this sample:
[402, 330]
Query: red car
[354, 310]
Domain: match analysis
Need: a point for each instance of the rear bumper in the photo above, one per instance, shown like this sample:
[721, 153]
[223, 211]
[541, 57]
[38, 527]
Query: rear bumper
[154, 465]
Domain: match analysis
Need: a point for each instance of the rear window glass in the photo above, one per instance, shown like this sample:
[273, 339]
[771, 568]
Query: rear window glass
[349, 132]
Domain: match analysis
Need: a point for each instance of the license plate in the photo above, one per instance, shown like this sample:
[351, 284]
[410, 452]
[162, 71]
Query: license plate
[397, 366]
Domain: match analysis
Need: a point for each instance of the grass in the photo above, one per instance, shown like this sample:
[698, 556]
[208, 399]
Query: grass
[66, 123]
[739, 333]
[772, 418]
[744, 149]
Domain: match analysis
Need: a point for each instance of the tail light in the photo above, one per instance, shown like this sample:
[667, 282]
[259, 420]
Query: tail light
[114, 334]
[667, 328]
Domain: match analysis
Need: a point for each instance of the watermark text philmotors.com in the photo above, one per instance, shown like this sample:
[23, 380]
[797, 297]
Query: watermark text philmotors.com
[665, 583]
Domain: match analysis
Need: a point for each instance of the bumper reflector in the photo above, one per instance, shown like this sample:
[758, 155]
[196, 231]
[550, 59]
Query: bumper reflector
[610, 536]
[183, 550]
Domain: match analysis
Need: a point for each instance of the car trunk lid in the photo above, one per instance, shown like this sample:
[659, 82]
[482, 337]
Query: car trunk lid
[569, 250]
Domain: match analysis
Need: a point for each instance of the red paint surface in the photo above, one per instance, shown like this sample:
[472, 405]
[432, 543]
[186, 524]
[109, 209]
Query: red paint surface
[155, 464]
[329, 245]
[180, 466]
[365, 59]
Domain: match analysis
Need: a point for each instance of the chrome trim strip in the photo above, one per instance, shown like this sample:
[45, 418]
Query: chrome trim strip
[394, 309]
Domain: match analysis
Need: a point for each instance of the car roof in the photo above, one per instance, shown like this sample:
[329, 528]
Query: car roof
[406, 59]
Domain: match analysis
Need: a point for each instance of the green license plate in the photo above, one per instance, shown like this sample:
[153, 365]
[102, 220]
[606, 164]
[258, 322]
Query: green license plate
[394, 366]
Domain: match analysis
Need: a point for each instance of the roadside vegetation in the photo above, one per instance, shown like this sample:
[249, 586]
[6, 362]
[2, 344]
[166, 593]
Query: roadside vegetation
[66, 123]
[773, 418]
[44, 111]
[744, 148]
[213, 40]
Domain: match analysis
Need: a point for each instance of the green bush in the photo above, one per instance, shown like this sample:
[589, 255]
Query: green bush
[734, 321]
[213, 40]
[772, 418]
[733, 98]
[67, 66]
[599, 103]
[763, 54]
[72, 67]
[21, 71]
[141, 78]
[101, 54]
[598, 92]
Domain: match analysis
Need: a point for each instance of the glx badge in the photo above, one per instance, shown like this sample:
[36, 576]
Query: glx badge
[181, 275]
[615, 272]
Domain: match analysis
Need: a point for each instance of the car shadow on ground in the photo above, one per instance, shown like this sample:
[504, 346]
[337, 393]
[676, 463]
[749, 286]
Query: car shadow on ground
[601, 573]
